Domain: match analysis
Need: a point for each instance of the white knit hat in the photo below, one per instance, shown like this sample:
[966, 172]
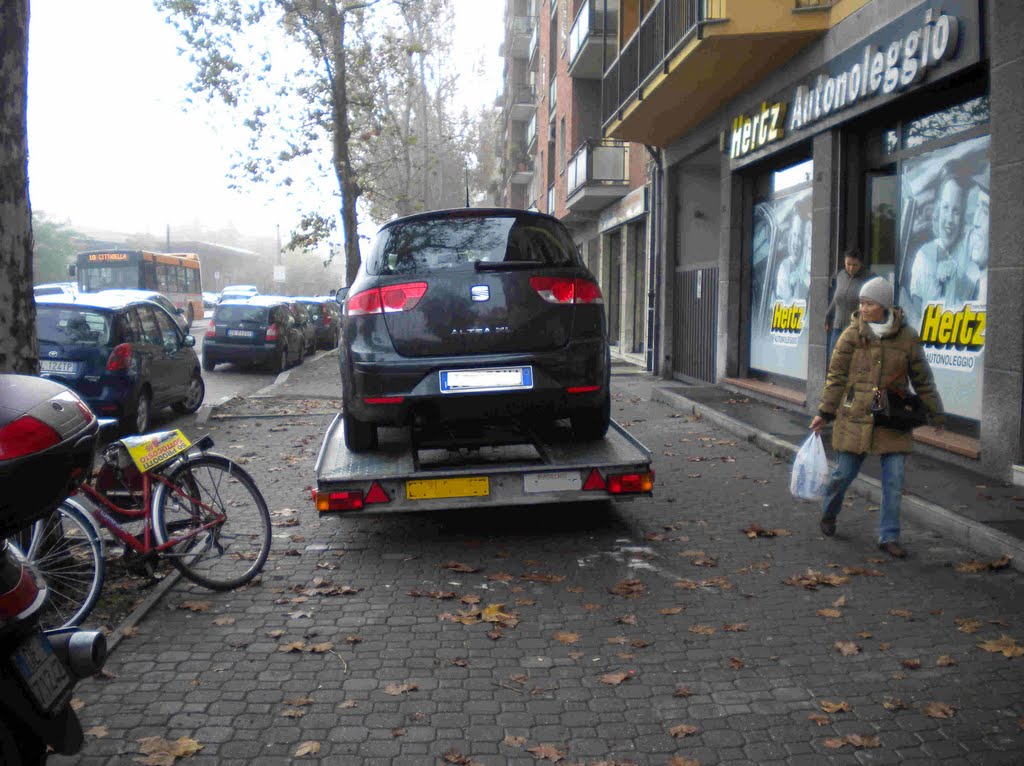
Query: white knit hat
[878, 290]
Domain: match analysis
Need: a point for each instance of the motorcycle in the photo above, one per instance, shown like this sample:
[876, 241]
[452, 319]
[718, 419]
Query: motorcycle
[47, 442]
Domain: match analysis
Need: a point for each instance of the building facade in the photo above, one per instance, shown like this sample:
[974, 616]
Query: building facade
[555, 160]
[791, 131]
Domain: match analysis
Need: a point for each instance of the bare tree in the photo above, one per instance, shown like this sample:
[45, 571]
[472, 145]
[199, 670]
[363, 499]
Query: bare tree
[18, 349]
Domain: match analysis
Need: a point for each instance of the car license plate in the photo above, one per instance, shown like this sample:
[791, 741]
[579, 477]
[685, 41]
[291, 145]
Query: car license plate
[241, 333]
[552, 481]
[43, 673]
[494, 379]
[57, 365]
[429, 489]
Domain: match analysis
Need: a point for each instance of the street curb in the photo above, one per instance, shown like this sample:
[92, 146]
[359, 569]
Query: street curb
[139, 613]
[971, 534]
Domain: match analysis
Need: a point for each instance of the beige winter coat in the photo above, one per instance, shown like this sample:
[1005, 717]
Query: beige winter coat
[860, 363]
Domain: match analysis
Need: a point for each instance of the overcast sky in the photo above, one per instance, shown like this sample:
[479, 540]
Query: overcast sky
[109, 145]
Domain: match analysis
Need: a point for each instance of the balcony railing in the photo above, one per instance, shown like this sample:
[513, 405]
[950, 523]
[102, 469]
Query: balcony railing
[552, 98]
[534, 42]
[531, 130]
[590, 20]
[521, 95]
[551, 200]
[668, 26]
[601, 162]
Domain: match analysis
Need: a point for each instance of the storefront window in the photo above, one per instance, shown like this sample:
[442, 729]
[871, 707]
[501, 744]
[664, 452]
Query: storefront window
[948, 122]
[781, 272]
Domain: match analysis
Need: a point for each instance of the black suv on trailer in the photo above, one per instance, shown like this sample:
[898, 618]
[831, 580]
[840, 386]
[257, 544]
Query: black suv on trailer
[471, 315]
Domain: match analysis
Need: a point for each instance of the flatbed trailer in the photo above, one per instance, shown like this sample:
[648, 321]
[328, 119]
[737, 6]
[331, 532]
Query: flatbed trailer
[492, 465]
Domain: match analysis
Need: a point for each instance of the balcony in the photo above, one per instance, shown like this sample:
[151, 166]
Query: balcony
[688, 57]
[551, 200]
[517, 36]
[520, 166]
[531, 133]
[590, 45]
[552, 99]
[596, 176]
[520, 102]
[534, 43]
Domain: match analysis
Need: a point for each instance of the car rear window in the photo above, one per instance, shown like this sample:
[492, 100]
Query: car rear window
[230, 314]
[72, 326]
[435, 244]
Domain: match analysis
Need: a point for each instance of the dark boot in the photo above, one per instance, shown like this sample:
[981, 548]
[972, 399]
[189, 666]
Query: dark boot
[828, 525]
[893, 549]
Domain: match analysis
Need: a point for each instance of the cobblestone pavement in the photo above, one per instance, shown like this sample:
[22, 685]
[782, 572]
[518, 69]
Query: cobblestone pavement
[650, 632]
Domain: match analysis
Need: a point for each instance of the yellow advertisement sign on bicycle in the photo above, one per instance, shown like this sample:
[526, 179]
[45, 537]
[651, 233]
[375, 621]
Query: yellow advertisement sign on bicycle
[151, 450]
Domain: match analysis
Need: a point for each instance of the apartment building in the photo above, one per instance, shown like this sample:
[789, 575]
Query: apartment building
[555, 160]
[789, 131]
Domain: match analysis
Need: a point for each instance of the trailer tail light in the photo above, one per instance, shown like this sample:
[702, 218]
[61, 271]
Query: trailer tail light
[565, 290]
[120, 358]
[594, 481]
[349, 500]
[376, 494]
[631, 483]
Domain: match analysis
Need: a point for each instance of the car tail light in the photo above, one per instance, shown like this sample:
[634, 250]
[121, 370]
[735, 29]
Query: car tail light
[390, 299]
[631, 483]
[582, 389]
[384, 399]
[564, 290]
[25, 436]
[211, 330]
[272, 332]
[120, 358]
[348, 500]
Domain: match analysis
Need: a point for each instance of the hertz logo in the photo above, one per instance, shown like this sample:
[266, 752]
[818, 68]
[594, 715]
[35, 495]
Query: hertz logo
[963, 329]
[788, 318]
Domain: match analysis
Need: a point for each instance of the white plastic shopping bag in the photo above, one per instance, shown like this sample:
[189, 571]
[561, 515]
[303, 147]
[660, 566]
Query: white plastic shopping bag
[810, 470]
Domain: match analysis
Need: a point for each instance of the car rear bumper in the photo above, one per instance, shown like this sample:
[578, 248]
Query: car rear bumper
[232, 352]
[110, 396]
[583, 365]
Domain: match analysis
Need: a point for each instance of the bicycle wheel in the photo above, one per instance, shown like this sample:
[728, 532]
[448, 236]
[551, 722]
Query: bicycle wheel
[220, 517]
[69, 554]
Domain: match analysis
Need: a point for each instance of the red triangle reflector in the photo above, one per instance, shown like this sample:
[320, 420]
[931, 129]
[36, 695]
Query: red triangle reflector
[594, 481]
[376, 494]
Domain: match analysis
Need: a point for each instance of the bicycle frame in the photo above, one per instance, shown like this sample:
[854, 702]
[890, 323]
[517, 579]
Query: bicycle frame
[101, 507]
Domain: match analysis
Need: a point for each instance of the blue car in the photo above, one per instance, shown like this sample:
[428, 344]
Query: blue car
[126, 357]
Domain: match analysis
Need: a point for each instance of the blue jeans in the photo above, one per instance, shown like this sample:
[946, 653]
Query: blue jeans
[833, 339]
[847, 467]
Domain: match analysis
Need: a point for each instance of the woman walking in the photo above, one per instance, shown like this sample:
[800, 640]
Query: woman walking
[877, 351]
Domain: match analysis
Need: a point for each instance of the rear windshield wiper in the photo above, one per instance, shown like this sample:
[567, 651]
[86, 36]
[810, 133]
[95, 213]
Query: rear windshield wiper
[503, 265]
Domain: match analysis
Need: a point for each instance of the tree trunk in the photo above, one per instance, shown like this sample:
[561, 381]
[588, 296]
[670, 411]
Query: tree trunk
[347, 182]
[17, 308]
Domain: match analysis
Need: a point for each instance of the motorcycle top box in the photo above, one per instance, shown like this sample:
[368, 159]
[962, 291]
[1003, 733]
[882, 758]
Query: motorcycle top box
[47, 439]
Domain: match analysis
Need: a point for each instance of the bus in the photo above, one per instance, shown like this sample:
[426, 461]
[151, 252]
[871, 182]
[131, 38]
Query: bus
[176, 275]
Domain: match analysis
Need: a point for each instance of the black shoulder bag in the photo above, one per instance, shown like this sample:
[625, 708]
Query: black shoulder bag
[897, 409]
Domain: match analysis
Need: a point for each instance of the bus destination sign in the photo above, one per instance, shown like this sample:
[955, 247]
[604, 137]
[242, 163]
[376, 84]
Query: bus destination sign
[97, 257]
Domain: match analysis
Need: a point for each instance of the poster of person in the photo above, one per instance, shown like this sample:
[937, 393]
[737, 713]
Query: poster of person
[780, 282]
[943, 273]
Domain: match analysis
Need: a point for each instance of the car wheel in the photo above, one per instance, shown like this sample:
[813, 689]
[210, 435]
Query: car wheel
[194, 399]
[282, 361]
[359, 436]
[591, 423]
[208, 364]
[136, 419]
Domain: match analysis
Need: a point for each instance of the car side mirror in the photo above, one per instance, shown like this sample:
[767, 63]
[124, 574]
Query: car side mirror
[190, 341]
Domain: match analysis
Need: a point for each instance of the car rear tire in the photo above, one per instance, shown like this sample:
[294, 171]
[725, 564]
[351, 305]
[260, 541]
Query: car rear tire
[194, 398]
[359, 436]
[136, 418]
[282, 361]
[591, 424]
[208, 364]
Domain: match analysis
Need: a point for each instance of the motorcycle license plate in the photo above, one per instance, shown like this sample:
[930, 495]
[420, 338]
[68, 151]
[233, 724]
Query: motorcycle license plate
[42, 672]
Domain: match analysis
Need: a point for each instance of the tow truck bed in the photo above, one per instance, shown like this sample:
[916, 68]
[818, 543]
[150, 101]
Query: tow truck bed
[411, 471]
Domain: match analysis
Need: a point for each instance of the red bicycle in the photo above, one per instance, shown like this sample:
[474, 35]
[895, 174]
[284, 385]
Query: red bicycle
[197, 509]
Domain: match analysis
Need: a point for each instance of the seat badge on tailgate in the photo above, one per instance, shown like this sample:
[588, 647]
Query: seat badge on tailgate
[480, 293]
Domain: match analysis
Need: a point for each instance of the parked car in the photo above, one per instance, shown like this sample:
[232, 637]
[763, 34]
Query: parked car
[159, 299]
[127, 357]
[210, 300]
[325, 316]
[259, 330]
[249, 290]
[55, 288]
[473, 314]
[233, 297]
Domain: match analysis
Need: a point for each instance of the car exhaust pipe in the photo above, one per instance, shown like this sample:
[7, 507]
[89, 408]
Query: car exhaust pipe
[83, 651]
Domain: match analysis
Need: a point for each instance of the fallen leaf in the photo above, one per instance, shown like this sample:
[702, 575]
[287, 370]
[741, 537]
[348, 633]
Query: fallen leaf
[500, 577]
[937, 710]
[684, 730]
[460, 662]
[564, 637]
[77, 704]
[904, 613]
[669, 610]
[470, 599]
[221, 621]
[456, 566]
[841, 601]
[614, 679]
[396, 689]
[349, 704]
[574, 589]
[832, 613]
[736, 627]
[353, 640]
[864, 634]
[495, 634]
[132, 631]
[626, 619]
[98, 731]
[884, 646]
[299, 701]
[321, 648]
[307, 748]
[162, 751]
[524, 601]
[894, 703]
[967, 624]
[678, 760]
[834, 743]
[628, 589]
[834, 707]
[818, 718]
[682, 691]
[864, 740]
[575, 655]
[547, 752]
[294, 646]
[847, 648]
[547, 578]
[591, 607]
[195, 606]
[1005, 645]
[702, 630]
[513, 741]
[911, 664]
[735, 663]
[292, 712]
[276, 633]
[945, 661]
